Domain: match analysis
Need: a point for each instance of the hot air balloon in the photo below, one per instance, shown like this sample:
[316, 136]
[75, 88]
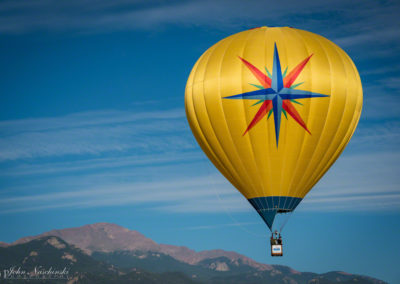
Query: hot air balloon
[273, 108]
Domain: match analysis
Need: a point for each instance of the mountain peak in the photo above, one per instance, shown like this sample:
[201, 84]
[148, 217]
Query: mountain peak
[107, 226]
[109, 237]
[103, 237]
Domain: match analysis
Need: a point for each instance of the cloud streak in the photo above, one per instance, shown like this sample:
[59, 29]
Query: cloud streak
[25, 16]
[101, 164]
[356, 183]
[183, 191]
[140, 146]
[123, 177]
[362, 182]
[92, 133]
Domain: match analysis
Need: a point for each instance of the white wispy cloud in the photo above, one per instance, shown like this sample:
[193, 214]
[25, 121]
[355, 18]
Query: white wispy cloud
[101, 164]
[94, 133]
[356, 183]
[84, 119]
[358, 178]
[381, 100]
[23, 16]
[371, 203]
[385, 36]
[383, 70]
[166, 192]
[218, 226]
[375, 135]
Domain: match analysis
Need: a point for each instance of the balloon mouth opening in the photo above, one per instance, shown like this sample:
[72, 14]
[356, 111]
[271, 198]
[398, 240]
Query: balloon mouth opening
[269, 206]
[284, 210]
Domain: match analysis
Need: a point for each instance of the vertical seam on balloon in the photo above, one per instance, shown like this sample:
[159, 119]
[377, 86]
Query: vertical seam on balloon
[259, 202]
[272, 136]
[285, 130]
[303, 133]
[267, 191]
[280, 125]
[262, 189]
[360, 98]
[299, 189]
[203, 140]
[333, 159]
[212, 150]
[308, 118]
[230, 135]
[213, 157]
[260, 192]
[214, 132]
[303, 189]
[351, 129]
[343, 143]
[265, 184]
[334, 138]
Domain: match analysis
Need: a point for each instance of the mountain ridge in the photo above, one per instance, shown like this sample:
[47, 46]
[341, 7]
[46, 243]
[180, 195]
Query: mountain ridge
[123, 251]
[108, 237]
[65, 263]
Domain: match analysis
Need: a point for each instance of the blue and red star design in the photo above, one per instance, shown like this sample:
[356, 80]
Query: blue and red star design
[277, 93]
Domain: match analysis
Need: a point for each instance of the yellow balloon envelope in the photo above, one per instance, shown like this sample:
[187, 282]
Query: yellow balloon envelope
[273, 108]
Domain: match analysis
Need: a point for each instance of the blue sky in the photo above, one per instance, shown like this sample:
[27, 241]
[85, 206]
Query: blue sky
[93, 129]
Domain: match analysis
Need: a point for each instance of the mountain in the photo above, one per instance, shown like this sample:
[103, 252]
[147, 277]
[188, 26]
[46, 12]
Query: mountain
[106, 237]
[105, 253]
[62, 261]
[103, 237]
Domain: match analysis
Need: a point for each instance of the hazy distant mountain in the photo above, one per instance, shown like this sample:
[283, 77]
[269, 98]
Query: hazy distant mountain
[104, 253]
[53, 252]
[106, 237]
[103, 237]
